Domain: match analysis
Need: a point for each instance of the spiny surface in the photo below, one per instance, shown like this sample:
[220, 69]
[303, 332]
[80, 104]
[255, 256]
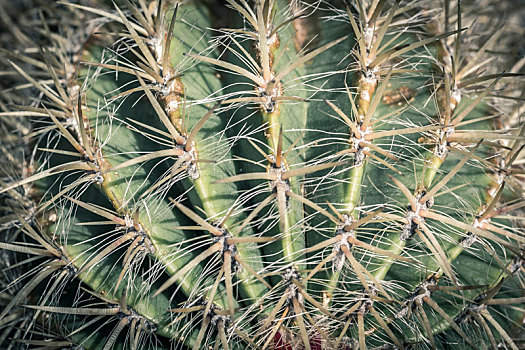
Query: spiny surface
[279, 175]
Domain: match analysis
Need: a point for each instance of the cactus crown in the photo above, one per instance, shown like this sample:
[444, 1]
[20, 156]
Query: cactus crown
[271, 174]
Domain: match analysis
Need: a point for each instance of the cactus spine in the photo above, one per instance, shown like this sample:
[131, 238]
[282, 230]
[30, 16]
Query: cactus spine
[271, 175]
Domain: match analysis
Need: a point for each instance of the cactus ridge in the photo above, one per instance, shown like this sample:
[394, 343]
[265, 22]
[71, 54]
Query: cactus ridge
[271, 175]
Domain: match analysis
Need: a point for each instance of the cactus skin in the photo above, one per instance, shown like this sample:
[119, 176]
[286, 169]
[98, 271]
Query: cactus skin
[349, 179]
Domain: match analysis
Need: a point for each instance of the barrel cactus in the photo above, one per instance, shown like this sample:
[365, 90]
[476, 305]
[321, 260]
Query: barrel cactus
[270, 174]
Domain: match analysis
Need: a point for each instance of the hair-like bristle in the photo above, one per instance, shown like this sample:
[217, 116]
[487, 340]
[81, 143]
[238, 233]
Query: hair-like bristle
[266, 174]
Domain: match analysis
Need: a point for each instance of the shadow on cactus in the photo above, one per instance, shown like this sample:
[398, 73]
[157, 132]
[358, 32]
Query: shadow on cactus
[267, 175]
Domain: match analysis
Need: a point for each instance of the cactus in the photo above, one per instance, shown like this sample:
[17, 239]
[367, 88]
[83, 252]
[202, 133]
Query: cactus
[271, 175]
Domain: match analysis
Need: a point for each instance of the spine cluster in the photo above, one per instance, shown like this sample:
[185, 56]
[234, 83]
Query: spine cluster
[270, 175]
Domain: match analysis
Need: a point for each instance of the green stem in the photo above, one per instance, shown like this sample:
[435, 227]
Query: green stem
[396, 247]
[291, 241]
[352, 198]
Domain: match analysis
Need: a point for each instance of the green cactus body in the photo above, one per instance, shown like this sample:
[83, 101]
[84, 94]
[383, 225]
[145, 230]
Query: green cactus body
[275, 175]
